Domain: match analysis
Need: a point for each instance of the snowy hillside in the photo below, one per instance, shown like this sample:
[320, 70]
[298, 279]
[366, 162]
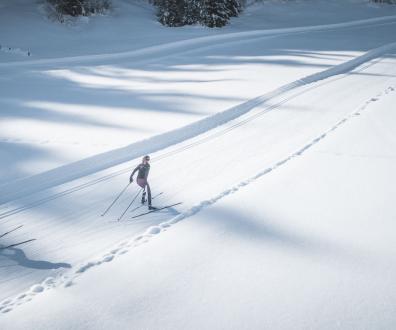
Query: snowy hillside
[276, 133]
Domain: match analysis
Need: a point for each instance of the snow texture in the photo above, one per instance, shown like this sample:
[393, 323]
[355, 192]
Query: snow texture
[276, 132]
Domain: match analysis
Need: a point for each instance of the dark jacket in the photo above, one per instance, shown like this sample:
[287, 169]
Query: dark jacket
[143, 171]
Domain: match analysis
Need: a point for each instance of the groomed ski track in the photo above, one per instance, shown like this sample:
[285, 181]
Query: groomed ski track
[268, 142]
[67, 173]
[170, 48]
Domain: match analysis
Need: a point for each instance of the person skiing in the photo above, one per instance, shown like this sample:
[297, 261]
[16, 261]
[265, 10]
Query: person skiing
[143, 170]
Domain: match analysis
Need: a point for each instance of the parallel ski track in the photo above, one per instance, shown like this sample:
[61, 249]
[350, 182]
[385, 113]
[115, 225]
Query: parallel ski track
[24, 187]
[241, 109]
[67, 279]
[195, 42]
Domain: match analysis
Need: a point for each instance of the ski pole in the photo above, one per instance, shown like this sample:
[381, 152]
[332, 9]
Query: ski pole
[16, 244]
[10, 231]
[119, 195]
[130, 204]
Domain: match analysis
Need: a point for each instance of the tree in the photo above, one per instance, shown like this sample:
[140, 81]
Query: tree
[192, 9]
[79, 7]
[234, 7]
[385, 1]
[171, 12]
[214, 13]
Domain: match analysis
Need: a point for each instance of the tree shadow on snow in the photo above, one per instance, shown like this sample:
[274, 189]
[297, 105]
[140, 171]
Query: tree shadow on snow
[268, 232]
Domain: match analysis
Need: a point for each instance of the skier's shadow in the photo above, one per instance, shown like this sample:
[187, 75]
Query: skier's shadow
[21, 259]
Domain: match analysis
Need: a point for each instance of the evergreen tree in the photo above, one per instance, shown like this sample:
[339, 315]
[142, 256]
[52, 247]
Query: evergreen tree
[214, 13]
[192, 9]
[386, 1]
[80, 7]
[234, 7]
[171, 12]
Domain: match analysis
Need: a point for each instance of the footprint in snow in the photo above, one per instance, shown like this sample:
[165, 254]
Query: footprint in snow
[153, 230]
[37, 288]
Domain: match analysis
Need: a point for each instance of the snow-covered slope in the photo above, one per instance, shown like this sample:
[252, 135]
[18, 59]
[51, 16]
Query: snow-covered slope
[136, 26]
[303, 247]
[72, 108]
[286, 185]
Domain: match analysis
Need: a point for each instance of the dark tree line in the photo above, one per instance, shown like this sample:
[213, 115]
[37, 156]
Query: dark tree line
[385, 1]
[212, 13]
[80, 7]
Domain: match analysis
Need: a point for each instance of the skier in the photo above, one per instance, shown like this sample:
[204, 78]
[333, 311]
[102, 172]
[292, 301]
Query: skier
[143, 172]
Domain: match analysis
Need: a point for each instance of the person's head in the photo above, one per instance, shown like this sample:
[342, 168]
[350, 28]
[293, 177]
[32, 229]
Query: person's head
[146, 159]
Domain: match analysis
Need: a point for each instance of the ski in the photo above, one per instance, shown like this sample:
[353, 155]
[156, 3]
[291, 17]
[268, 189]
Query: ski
[159, 209]
[8, 232]
[16, 244]
[138, 207]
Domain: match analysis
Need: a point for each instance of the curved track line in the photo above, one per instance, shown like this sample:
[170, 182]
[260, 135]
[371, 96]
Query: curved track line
[70, 172]
[68, 279]
[164, 155]
[183, 44]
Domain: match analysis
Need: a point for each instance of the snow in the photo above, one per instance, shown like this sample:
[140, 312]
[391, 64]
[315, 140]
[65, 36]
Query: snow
[233, 265]
[71, 110]
[100, 162]
[277, 135]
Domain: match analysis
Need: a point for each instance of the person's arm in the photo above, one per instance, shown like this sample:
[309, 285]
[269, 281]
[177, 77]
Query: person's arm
[133, 173]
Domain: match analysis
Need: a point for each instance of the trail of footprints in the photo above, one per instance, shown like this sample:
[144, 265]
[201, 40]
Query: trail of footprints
[67, 280]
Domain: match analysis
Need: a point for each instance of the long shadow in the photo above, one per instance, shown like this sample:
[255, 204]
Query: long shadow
[17, 255]
[263, 231]
[118, 95]
[241, 224]
[14, 155]
[38, 110]
[65, 91]
[31, 86]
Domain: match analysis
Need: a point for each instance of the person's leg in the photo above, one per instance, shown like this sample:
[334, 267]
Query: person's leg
[148, 193]
[144, 195]
[142, 183]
